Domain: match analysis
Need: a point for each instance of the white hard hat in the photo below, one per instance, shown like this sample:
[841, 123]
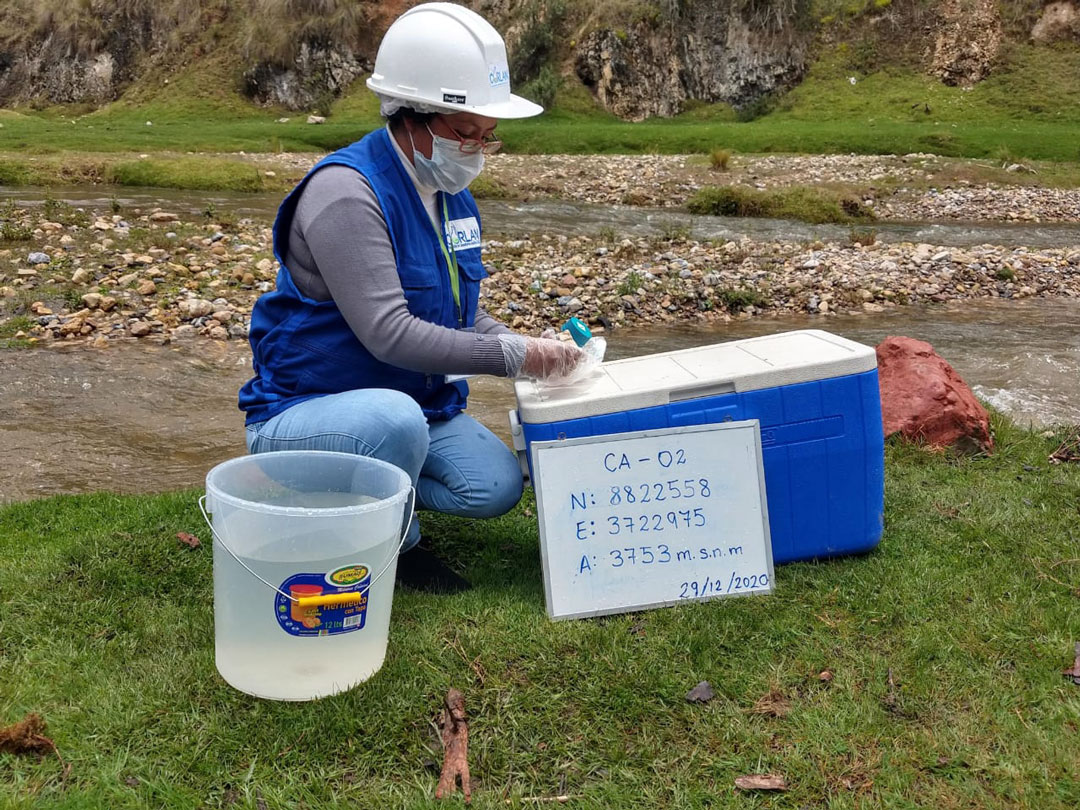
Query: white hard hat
[448, 58]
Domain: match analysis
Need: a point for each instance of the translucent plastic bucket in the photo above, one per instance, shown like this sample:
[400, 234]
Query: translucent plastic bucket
[305, 552]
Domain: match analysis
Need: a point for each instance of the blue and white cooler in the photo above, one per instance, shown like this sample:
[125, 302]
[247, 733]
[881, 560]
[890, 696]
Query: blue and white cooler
[814, 394]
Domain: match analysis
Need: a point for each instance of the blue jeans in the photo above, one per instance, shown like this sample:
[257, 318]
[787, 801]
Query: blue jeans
[457, 466]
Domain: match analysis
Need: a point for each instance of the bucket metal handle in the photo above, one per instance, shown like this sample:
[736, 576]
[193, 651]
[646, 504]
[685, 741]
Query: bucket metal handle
[315, 601]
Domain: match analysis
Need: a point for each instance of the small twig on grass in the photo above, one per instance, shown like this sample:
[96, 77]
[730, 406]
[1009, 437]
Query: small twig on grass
[455, 738]
[1022, 720]
[478, 669]
[542, 799]
[474, 664]
[761, 781]
[1069, 450]
[289, 748]
[1074, 588]
[890, 699]
[435, 728]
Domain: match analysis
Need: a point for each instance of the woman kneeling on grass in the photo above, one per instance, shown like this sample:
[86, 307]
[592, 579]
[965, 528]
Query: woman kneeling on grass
[376, 306]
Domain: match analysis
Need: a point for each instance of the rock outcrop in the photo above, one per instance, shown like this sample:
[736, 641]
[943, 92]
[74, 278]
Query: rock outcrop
[925, 400]
[709, 52]
[1060, 21]
[48, 71]
[638, 59]
[318, 72]
[51, 64]
[968, 41]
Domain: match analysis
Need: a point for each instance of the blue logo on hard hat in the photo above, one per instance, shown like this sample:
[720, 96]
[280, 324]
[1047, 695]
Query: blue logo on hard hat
[498, 76]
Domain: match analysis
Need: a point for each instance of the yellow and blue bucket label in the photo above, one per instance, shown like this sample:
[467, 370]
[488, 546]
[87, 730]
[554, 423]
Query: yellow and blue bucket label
[324, 619]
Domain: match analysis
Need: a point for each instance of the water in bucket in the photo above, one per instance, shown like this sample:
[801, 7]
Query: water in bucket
[305, 552]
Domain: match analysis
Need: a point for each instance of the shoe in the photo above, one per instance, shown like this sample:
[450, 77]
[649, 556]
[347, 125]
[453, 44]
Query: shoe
[421, 570]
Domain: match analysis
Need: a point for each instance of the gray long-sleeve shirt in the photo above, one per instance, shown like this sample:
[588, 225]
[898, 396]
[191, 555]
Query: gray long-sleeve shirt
[339, 248]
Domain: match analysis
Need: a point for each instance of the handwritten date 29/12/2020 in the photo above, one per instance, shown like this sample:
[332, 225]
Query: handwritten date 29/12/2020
[715, 587]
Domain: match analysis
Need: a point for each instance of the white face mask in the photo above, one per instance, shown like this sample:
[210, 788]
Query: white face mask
[448, 169]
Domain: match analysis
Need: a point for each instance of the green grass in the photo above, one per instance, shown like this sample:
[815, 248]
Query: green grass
[187, 173]
[631, 284]
[719, 159]
[863, 236]
[164, 170]
[487, 188]
[558, 134]
[802, 203]
[10, 327]
[738, 298]
[66, 214]
[1035, 140]
[198, 128]
[946, 645]
[13, 232]
[1031, 107]
[1033, 85]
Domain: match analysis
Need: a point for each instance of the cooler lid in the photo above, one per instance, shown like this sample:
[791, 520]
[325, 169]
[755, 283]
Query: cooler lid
[722, 368]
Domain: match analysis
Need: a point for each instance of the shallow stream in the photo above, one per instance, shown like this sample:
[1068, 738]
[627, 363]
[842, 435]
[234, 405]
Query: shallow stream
[573, 218]
[136, 418]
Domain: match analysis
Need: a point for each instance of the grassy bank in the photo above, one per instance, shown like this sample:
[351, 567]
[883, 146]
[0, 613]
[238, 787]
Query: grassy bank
[798, 203]
[162, 170]
[945, 647]
[1028, 109]
[558, 132]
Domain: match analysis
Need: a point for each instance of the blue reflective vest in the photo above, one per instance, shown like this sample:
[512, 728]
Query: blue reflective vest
[304, 348]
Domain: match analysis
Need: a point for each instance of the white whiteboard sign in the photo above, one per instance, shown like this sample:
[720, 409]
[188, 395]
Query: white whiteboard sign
[652, 518]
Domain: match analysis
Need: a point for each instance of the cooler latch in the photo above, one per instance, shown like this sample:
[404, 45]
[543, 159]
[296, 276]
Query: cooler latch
[517, 436]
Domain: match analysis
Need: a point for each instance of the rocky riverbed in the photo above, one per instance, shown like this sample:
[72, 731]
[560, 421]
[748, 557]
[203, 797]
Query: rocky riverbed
[74, 275]
[914, 187]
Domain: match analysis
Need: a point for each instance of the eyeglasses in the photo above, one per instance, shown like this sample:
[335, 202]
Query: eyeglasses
[470, 146]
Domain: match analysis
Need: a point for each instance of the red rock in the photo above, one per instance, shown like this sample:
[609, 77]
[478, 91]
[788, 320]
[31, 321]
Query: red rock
[924, 399]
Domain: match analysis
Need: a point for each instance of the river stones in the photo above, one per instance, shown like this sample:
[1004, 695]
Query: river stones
[186, 290]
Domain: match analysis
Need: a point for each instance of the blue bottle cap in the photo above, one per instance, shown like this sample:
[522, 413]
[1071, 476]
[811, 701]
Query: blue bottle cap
[578, 330]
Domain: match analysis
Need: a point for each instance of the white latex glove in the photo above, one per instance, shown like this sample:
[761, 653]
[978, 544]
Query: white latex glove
[542, 359]
[551, 360]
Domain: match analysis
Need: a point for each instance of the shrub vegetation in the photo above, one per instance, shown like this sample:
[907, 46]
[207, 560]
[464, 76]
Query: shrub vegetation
[808, 204]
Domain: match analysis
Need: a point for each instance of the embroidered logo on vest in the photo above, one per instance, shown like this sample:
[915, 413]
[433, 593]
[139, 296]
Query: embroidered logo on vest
[463, 234]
